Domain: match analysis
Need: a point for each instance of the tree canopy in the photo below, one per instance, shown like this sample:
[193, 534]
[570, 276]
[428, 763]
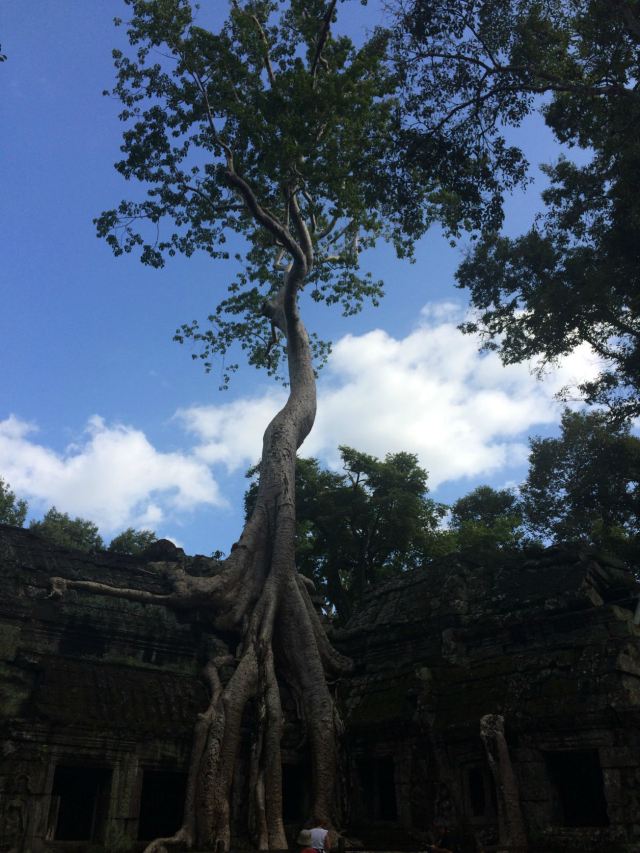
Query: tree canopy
[60, 528]
[132, 541]
[585, 484]
[275, 130]
[261, 127]
[487, 518]
[12, 509]
[574, 277]
[357, 526]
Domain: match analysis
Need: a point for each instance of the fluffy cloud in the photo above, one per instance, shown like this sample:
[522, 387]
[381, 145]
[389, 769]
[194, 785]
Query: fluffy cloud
[231, 434]
[114, 476]
[430, 393]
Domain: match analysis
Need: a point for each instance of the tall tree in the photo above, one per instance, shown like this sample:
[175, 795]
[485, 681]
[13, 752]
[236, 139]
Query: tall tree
[132, 541]
[13, 510]
[68, 532]
[487, 518]
[573, 278]
[585, 484]
[360, 525]
[276, 131]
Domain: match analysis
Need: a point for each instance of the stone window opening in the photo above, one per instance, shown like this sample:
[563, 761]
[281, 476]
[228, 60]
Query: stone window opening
[161, 803]
[295, 792]
[79, 803]
[578, 788]
[481, 805]
[378, 782]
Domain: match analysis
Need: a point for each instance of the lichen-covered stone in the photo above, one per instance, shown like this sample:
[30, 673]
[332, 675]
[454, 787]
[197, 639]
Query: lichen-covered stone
[546, 640]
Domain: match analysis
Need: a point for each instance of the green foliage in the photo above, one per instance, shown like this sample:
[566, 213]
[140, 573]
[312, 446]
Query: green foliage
[585, 485]
[374, 519]
[487, 519]
[358, 526]
[574, 277]
[61, 529]
[132, 541]
[272, 127]
[12, 510]
[273, 98]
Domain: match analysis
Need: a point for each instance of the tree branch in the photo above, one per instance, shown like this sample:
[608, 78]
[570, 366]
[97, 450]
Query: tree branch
[309, 200]
[227, 208]
[322, 38]
[212, 127]
[281, 234]
[326, 231]
[263, 38]
[301, 227]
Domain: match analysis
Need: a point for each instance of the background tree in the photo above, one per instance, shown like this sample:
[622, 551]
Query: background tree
[487, 518]
[132, 541]
[12, 510]
[585, 484]
[60, 528]
[357, 526]
[573, 278]
[276, 132]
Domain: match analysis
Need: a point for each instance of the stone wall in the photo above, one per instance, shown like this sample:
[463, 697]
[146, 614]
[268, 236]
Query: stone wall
[549, 644]
[93, 685]
[98, 698]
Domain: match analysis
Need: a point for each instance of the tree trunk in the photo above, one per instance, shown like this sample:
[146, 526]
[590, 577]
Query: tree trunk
[510, 821]
[260, 596]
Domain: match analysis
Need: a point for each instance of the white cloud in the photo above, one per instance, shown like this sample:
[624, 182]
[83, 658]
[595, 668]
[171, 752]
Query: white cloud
[434, 394]
[114, 476]
[430, 393]
[231, 434]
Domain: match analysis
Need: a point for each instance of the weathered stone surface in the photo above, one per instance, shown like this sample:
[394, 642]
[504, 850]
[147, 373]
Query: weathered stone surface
[546, 641]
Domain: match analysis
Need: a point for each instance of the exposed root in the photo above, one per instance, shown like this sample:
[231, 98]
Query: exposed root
[180, 841]
[271, 609]
[333, 661]
[258, 594]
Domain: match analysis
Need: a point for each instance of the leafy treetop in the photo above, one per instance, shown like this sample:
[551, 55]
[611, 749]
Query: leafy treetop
[358, 526]
[487, 518]
[60, 528]
[132, 541]
[273, 129]
[476, 66]
[12, 510]
[585, 484]
[253, 129]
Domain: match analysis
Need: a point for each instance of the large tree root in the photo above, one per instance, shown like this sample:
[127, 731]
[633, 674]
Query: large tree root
[282, 623]
[258, 595]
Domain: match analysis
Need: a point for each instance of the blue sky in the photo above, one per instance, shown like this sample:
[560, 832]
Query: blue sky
[104, 416]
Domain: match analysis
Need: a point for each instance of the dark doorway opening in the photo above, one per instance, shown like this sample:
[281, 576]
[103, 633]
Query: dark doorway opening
[294, 792]
[578, 787]
[477, 796]
[79, 801]
[378, 786]
[161, 803]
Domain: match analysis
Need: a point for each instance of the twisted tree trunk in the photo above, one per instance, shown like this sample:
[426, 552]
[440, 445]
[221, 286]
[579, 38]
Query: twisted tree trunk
[260, 596]
[511, 828]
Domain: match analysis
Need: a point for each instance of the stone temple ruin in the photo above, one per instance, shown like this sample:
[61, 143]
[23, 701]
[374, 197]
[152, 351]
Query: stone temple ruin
[502, 699]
